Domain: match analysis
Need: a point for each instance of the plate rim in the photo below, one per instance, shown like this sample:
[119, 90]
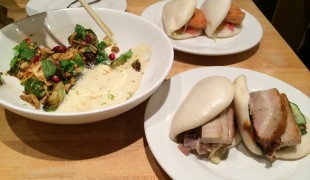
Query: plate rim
[30, 9]
[149, 125]
[248, 16]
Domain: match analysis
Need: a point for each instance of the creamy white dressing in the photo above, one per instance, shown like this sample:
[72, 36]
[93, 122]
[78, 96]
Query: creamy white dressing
[104, 86]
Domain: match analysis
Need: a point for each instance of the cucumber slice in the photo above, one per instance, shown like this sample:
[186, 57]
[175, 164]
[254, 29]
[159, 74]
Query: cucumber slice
[299, 117]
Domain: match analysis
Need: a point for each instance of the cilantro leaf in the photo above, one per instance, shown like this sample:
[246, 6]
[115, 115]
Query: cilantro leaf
[27, 53]
[79, 61]
[80, 30]
[24, 51]
[48, 68]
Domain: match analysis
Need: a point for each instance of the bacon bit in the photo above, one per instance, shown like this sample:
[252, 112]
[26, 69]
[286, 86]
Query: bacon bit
[115, 49]
[184, 150]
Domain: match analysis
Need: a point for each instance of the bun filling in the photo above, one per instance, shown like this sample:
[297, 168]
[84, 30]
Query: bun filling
[212, 138]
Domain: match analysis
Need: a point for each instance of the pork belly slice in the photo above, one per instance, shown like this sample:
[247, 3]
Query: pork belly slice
[220, 130]
[292, 135]
[269, 119]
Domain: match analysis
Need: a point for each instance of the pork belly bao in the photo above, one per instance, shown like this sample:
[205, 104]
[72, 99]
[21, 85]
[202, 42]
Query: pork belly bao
[182, 20]
[269, 124]
[204, 122]
[224, 19]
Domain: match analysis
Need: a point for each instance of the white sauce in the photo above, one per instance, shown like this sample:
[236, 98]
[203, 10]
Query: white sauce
[103, 86]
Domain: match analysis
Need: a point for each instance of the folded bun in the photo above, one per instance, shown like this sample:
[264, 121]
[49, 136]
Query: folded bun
[298, 151]
[215, 12]
[186, 35]
[176, 13]
[227, 31]
[241, 105]
[208, 98]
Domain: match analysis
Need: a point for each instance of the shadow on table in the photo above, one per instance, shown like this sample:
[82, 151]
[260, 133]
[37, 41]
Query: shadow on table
[75, 142]
[202, 60]
[160, 173]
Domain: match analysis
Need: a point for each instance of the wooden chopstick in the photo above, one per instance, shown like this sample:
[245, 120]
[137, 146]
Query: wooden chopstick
[101, 24]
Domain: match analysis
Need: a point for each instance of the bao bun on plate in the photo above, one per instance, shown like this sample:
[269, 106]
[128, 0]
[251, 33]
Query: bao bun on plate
[207, 98]
[176, 14]
[215, 12]
[241, 104]
[204, 122]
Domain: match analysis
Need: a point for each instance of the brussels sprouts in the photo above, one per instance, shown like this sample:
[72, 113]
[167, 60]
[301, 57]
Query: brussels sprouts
[35, 87]
[55, 98]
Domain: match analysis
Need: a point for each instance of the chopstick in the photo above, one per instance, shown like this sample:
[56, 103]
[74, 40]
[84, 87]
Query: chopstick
[91, 2]
[101, 24]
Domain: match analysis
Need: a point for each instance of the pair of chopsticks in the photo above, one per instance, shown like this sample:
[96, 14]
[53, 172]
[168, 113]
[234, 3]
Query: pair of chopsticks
[91, 2]
[101, 24]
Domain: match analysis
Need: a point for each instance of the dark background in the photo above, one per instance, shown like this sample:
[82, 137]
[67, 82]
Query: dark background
[291, 18]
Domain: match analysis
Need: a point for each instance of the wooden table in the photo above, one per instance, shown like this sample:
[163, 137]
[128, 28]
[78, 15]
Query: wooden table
[117, 148]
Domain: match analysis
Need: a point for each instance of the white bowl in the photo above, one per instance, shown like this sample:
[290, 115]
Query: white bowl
[38, 6]
[53, 27]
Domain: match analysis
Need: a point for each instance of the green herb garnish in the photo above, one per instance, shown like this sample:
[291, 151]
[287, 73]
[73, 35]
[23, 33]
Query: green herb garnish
[122, 59]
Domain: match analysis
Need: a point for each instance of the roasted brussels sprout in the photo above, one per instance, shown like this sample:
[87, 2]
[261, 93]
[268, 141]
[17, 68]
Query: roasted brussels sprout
[55, 98]
[35, 87]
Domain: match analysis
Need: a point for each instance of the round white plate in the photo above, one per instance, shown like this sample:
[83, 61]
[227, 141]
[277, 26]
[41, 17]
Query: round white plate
[38, 6]
[250, 35]
[239, 163]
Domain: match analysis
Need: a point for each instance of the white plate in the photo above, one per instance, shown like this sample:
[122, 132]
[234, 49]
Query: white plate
[250, 35]
[37, 6]
[239, 164]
